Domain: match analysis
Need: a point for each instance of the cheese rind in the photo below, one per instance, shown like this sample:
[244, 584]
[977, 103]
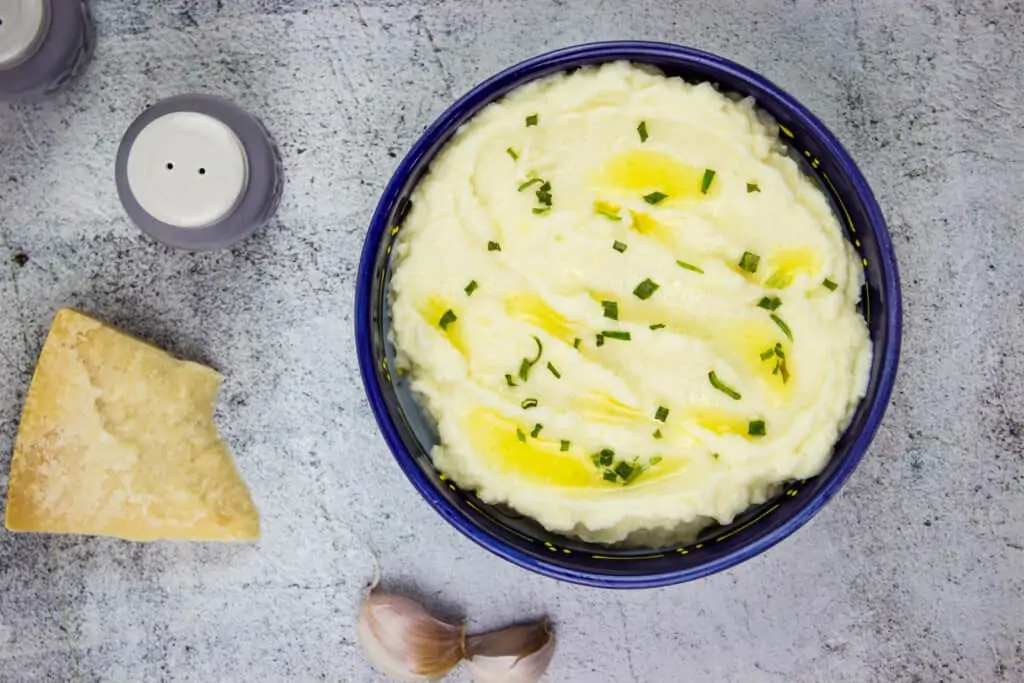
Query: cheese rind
[117, 439]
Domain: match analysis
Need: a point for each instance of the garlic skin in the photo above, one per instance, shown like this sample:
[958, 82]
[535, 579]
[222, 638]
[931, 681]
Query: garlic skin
[519, 654]
[404, 641]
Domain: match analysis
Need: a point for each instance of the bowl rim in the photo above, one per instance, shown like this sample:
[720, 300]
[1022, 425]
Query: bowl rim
[493, 89]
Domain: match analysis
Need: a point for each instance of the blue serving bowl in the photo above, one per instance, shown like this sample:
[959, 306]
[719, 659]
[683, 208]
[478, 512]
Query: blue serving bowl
[410, 433]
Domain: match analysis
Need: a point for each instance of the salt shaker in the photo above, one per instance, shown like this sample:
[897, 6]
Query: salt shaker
[43, 44]
[197, 172]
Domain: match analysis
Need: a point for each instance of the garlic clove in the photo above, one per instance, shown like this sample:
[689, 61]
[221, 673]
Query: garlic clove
[404, 641]
[519, 654]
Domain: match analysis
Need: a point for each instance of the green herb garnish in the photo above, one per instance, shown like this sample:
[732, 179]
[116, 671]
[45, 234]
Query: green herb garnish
[529, 403]
[645, 289]
[610, 211]
[705, 182]
[544, 194]
[690, 266]
[715, 456]
[661, 414]
[749, 261]
[600, 340]
[642, 130]
[655, 197]
[782, 326]
[657, 326]
[520, 435]
[526, 365]
[542, 210]
[756, 428]
[554, 371]
[723, 387]
[563, 446]
[532, 120]
[619, 246]
[509, 381]
[536, 430]
[605, 457]
[530, 183]
[493, 246]
[617, 334]
[611, 309]
[512, 153]
[576, 343]
[752, 187]
[447, 319]
[767, 353]
[610, 476]
[829, 285]
[769, 303]
[624, 470]
[656, 435]
[471, 287]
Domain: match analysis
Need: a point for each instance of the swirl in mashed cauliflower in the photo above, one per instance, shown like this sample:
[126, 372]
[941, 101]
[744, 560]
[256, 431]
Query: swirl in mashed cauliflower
[626, 308]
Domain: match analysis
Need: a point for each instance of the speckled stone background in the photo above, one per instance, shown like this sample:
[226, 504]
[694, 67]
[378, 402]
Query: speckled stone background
[914, 573]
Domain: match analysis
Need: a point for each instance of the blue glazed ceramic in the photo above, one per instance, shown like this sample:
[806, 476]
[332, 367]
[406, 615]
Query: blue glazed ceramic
[410, 434]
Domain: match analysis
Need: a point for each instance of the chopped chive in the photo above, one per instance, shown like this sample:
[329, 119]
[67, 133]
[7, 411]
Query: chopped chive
[520, 435]
[576, 343]
[752, 187]
[600, 340]
[778, 350]
[509, 381]
[530, 182]
[655, 197]
[661, 414]
[723, 387]
[749, 261]
[705, 182]
[512, 153]
[532, 120]
[610, 476]
[645, 289]
[563, 446]
[554, 371]
[540, 351]
[611, 309]
[769, 303]
[624, 469]
[493, 246]
[656, 435]
[471, 287]
[524, 369]
[607, 210]
[544, 193]
[609, 214]
[657, 326]
[541, 211]
[767, 353]
[617, 334]
[605, 457]
[756, 428]
[829, 285]
[447, 319]
[642, 130]
[619, 246]
[529, 403]
[655, 460]
[715, 456]
[782, 326]
[690, 266]
[536, 430]
[784, 370]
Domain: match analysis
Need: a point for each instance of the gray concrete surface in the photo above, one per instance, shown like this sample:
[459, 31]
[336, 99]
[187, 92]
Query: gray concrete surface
[914, 573]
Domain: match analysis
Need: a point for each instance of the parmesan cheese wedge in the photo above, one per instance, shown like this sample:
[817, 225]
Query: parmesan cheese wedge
[117, 439]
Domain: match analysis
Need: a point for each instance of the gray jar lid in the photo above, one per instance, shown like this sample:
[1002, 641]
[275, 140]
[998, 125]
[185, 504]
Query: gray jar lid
[197, 172]
[43, 44]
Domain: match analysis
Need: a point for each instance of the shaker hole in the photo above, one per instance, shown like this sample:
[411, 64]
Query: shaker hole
[170, 166]
[202, 171]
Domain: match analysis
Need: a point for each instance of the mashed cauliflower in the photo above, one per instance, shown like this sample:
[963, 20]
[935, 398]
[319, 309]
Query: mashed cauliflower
[625, 307]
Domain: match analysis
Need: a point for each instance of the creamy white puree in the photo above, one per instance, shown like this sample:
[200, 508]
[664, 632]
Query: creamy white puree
[558, 264]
